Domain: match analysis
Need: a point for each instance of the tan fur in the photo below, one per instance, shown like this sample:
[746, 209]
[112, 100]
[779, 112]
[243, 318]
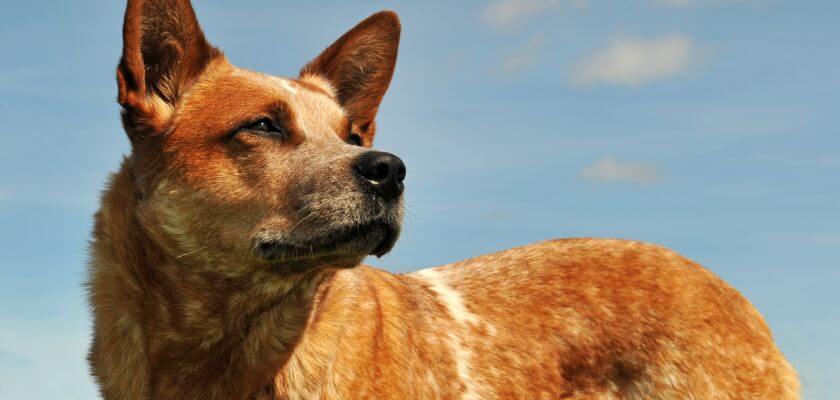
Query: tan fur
[186, 307]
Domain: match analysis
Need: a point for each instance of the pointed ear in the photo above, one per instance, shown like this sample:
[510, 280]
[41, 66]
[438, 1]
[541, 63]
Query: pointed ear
[164, 51]
[359, 66]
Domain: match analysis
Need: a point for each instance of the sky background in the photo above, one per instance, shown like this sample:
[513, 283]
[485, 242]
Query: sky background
[710, 127]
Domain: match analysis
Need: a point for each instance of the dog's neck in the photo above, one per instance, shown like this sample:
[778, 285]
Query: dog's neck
[179, 321]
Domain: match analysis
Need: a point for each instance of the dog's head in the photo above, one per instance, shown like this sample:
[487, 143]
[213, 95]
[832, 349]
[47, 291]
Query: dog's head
[231, 163]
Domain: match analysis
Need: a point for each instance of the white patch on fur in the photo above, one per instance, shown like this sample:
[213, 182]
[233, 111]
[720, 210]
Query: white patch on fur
[454, 303]
[319, 81]
[286, 85]
[462, 366]
[450, 297]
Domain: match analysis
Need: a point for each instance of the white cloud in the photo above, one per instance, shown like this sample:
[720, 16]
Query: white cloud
[609, 170]
[685, 3]
[524, 57]
[506, 14]
[635, 61]
[674, 3]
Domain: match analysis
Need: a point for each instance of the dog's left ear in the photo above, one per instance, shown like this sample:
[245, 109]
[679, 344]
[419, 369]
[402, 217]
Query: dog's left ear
[359, 66]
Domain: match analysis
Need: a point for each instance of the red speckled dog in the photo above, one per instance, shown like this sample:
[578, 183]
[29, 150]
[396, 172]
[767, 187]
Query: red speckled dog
[225, 259]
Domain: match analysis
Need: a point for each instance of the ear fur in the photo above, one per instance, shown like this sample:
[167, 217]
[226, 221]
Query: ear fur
[360, 65]
[164, 51]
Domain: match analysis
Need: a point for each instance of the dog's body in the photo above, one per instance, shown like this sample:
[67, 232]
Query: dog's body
[225, 259]
[565, 319]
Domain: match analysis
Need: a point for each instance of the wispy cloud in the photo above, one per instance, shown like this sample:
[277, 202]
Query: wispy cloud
[610, 170]
[674, 3]
[523, 57]
[685, 3]
[506, 14]
[636, 61]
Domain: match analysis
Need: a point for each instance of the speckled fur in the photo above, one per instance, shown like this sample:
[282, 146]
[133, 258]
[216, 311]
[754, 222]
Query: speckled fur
[184, 309]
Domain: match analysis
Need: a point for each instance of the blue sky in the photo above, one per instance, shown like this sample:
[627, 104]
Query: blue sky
[709, 126]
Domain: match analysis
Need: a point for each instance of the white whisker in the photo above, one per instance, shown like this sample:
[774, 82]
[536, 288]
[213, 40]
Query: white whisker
[191, 252]
[292, 229]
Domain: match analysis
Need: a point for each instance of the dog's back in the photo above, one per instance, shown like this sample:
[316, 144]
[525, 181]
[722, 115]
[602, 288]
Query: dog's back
[618, 319]
[569, 319]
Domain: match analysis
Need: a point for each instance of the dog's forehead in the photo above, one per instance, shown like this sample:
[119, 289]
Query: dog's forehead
[227, 92]
[311, 98]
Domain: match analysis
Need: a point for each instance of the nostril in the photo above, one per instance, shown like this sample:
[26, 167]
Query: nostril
[375, 171]
[376, 167]
[381, 171]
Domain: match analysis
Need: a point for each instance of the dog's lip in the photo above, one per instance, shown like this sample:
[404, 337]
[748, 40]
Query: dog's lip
[375, 237]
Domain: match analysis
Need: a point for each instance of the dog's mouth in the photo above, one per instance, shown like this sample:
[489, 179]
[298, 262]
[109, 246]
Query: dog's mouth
[375, 237]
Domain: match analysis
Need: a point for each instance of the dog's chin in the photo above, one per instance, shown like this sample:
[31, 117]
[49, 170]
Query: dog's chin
[342, 247]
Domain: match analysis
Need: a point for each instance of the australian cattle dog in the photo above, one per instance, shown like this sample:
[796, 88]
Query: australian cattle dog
[225, 261]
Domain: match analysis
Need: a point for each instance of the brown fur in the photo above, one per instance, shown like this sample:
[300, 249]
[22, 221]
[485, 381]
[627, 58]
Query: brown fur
[186, 307]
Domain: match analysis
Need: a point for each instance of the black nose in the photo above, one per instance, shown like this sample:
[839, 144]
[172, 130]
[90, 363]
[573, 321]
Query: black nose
[384, 172]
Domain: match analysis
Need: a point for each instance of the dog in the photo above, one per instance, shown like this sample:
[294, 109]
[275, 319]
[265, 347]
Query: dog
[225, 260]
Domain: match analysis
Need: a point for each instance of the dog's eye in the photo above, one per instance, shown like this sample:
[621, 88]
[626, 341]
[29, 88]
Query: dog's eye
[262, 125]
[265, 127]
[354, 139]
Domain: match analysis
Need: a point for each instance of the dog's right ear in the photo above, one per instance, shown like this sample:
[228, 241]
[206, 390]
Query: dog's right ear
[164, 51]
